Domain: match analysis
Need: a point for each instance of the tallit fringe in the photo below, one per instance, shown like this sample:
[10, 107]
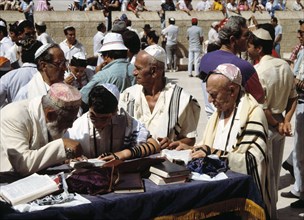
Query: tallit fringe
[241, 206]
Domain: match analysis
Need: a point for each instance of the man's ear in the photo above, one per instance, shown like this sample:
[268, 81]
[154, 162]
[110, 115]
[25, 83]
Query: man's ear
[50, 115]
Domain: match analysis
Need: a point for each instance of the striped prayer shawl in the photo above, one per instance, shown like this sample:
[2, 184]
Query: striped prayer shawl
[250, 153]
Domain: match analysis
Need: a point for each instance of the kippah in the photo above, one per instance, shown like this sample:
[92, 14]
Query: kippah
[2, 24]
[42, 49]
[64, 96]
[262, 34]
[112, 89]
[157, 52]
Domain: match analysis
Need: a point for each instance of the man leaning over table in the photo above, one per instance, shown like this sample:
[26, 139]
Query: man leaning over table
[237, 130]
[167, 110]
[31, 131]
[108, 132]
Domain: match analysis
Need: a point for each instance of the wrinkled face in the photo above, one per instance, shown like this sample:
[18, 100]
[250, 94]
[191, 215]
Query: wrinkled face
[55, 70]
[71, 36]
[143, 70]
[63, 121]
[100, 121]
[241, 43]
[219, 95]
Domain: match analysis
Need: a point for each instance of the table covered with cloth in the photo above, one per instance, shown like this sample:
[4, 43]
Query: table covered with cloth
[191, 200]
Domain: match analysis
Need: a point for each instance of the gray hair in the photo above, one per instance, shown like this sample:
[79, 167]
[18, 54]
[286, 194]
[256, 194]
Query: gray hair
[233, 27]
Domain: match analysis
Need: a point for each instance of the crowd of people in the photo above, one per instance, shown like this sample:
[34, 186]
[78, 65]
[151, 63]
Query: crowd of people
[59, 104]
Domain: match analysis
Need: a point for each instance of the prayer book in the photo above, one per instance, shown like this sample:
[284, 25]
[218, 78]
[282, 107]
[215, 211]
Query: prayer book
[168, 169]
[129, 183]
[158, 180]
[28, 189]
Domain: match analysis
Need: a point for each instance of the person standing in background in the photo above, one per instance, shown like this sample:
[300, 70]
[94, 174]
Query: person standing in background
[195, 36]
[171, 33]
[278, 35]
[27, 7]
[43, 37]
[71, 45]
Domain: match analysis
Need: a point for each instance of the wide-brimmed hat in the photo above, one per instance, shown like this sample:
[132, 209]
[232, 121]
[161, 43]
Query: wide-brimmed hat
[113, 41]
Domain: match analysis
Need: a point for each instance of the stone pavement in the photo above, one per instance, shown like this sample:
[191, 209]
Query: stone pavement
[193, 86]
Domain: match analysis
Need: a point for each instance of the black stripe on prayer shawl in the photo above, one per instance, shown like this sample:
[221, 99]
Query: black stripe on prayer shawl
[253, 171]
[173, 110]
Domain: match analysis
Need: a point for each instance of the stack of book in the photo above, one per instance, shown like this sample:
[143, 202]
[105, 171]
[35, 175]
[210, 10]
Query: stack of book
[168, 173]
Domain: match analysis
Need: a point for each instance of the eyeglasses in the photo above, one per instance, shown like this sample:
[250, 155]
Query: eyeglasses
[60, 64]
[102, 119]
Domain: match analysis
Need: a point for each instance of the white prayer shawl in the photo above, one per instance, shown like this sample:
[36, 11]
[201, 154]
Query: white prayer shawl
[35, 87]
[250, 152]
[24, 143]
[171, 117]
[124, 132]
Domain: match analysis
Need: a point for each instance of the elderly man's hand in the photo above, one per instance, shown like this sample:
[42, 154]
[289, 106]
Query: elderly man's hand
[72, 147]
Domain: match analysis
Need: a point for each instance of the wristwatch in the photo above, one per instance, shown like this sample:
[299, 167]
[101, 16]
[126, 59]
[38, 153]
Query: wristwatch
[70, 154]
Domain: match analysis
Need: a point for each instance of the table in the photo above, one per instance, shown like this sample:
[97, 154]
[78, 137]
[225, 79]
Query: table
[192, 200]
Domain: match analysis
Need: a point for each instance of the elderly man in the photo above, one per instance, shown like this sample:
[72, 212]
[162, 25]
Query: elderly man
[233, 37]
[237, 130]
[117, 70]
[166, 110]
[278, 82]
[51, 65]
[71, 45]
[111, 134]
[31, 131]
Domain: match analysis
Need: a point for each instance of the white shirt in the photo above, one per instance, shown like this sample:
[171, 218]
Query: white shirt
[203, 5]
[171, 32]
[212, 35]
[69, 52]
[98, 37]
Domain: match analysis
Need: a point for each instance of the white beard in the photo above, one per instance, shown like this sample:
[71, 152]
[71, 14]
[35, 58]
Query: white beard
[52, 128]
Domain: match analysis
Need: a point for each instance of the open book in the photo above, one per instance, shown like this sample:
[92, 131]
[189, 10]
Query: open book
[28, 189]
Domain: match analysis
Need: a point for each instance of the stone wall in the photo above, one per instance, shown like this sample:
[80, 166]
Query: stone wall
[86, 22]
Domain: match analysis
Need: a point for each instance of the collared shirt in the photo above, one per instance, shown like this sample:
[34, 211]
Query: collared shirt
[118, 72]
[70, 51]
[24, 139]
[12, 81]
[277, 80]
[35, 87]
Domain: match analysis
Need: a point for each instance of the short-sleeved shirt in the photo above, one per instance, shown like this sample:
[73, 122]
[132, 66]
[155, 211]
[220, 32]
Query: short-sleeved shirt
[194, 33]
[171, 32]
[278, 82]
[250, 79]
